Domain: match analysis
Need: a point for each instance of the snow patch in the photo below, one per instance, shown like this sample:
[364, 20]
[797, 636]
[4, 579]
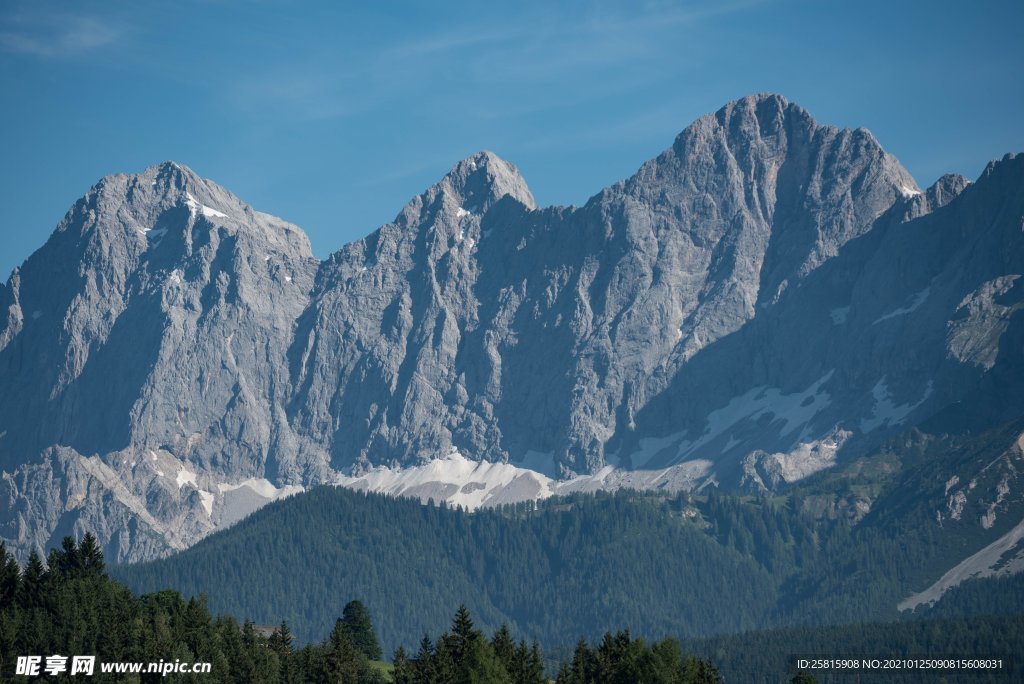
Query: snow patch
[460, 481]
[908, 191]
[886, 412]
[186, 476]
[242, 498]
[792, 410]
[195, 206]
[262, 487]
[462, 213]
[913, 306]
[682, 476]
[540, 462]
[206, 498]
[457, 480]
[839, 315]
[651, 447]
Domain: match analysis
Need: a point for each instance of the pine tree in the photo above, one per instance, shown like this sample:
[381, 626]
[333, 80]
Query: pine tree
[281, 640]
[32, 581]
[533, 669]
[10, 577]
[345, 662]
[360, 628]
[424, 664]
[504, 647]
[90, 556]
[583, 667]
[445, 667]
[479, 664]
[462, 634]
[403, 671]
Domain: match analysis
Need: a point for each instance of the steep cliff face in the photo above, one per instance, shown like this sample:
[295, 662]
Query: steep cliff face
[145, 357]
[503, 330]
[765, 297]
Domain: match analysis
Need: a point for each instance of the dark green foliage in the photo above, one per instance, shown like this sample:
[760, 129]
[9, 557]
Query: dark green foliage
[344, 661]
[764, 657]
[583, 565]
[686, 565]
[462, 655]
[71, 607]
[803, 678]
[360, 629]
[586, 565]
[620, 659]
[403, 672]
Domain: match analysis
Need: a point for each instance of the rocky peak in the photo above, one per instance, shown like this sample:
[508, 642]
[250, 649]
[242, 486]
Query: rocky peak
[484, 178]
[945, 190]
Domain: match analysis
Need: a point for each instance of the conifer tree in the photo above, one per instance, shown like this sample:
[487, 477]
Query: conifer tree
[424, 665]
[504, 647]
[403, 671]
[345, 663]
[32, 581]
[10, 577]
[462, 634]
[533, 669]
[281, 640]
[90, 556]
[479, 664]
[360, 628]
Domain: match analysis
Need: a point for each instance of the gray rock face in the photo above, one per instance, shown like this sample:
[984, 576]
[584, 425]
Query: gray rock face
[766, 296]
[155, 320]
[547, 331]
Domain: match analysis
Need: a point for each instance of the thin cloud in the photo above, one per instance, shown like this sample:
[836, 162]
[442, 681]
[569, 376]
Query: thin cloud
[57, 36]
[620, 46]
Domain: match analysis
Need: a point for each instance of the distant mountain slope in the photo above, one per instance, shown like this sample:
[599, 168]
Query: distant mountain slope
[767, 298]
[589, 564]
[687, 565]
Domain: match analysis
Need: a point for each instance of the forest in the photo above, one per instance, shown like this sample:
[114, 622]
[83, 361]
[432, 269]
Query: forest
[69, 606]
[688, 565]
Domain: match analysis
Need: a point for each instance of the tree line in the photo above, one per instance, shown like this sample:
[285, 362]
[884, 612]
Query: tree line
[69, 606]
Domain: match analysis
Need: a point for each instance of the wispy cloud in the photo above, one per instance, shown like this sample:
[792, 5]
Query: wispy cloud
[56, 35]
[538, 59]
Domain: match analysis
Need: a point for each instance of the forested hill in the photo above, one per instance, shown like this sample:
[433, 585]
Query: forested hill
[578, 567]
[684, 566]
[71, 606]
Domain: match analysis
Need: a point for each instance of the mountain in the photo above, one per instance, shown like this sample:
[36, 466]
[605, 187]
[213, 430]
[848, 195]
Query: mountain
[686, 565]
[766, 299]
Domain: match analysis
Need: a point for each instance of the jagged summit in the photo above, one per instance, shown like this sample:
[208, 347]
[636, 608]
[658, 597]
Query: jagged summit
[483, 178]
[171, 354]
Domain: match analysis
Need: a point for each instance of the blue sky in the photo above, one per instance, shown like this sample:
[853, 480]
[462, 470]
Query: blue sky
[332, 115]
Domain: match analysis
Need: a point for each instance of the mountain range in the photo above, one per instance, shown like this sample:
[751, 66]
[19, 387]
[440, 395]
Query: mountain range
[767, 299]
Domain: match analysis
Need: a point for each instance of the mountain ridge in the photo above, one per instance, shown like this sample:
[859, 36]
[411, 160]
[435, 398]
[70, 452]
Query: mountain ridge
[176, 358]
